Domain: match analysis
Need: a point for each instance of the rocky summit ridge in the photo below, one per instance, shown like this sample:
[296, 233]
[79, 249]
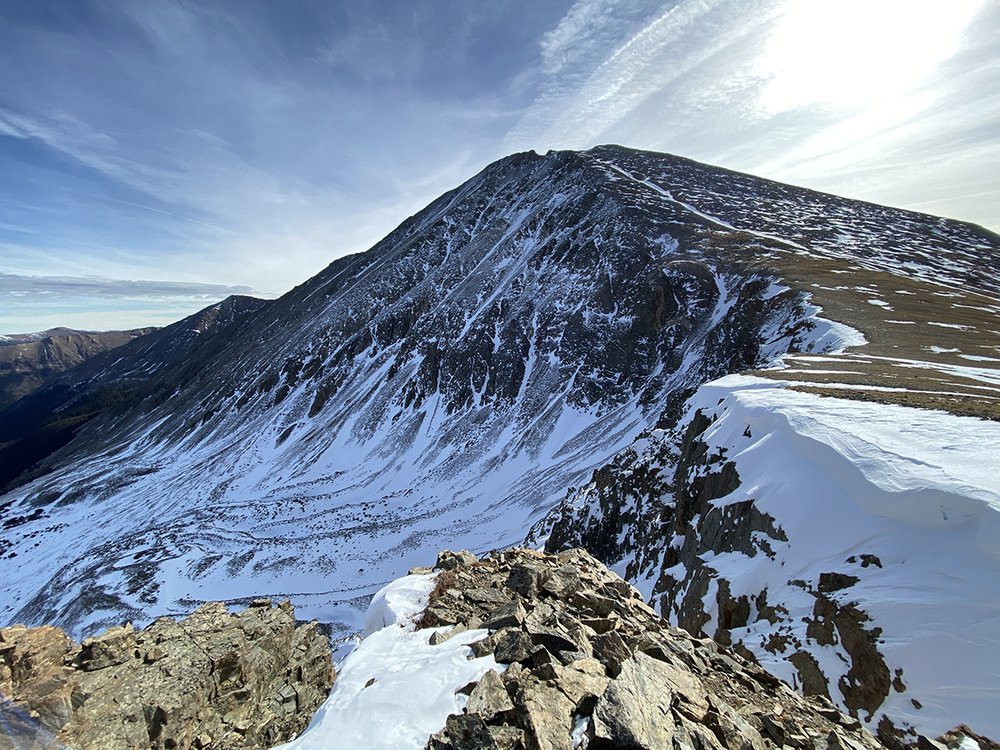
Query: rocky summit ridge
[588, 664]
[581, 662]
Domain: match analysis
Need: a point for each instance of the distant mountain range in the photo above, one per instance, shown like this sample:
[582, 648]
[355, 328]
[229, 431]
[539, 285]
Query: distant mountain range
[76, 379]
[771, 409]
[29, 361]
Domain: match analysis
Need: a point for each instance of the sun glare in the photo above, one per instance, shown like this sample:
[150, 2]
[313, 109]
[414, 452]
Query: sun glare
[858, 52]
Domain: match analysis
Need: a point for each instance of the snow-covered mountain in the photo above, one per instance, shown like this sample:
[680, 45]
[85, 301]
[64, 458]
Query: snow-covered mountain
[540, 328]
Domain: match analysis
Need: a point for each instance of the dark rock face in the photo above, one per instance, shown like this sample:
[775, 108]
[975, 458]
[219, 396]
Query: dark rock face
[596, 667]
[216, 680]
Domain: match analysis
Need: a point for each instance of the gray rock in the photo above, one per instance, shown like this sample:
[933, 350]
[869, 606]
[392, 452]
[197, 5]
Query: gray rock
[735, 732]
[773, 729]
[508, 738]
[593, 603]
[601, 625]
[527, 578]
[437, 616]
[634, 711]
[448, 560]
[512, 645]
[612, 650]
[553, 639]
[440, 636]
[485, 646]
[506, 616]
[463, 732]
[926, 743]
[489, 697]
[487, 596]
[693, 736]
[115, 646]
[583, 686]
[563, 582]
[545, 713]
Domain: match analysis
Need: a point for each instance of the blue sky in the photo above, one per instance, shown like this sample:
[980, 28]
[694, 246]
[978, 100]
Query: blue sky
[158, 155]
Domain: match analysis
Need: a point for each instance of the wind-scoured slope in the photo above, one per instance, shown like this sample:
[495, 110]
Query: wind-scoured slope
[442, 389]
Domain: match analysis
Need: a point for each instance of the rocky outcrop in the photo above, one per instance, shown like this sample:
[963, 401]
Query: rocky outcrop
[590, 664]
[213, 680]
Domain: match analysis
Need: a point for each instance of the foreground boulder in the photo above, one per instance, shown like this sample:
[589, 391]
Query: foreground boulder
[215, 680]
[589, 664]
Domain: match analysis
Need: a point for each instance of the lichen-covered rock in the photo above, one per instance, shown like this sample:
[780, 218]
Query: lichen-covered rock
[215, 680]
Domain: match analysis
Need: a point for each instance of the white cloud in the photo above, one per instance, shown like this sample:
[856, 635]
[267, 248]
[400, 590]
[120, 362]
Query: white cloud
[244, 146]
[886, 101]
[17, 285]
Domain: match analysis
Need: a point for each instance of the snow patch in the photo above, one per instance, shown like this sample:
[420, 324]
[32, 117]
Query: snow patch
[395, 689]
[917, 489]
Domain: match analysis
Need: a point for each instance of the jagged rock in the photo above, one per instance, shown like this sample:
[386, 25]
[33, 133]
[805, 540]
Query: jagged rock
[554, 640]
[440, 636]
[463, 732]
[956, 738]
[108, 649]
[489, 697]
[634, 711]
[545, 713]
[563, 582]
[612, 650]
[508, 738]
[868, 681]
[811, 677]
[527, 577]
[512, 645]
[638, 684]
[215, 680]
[733, 730]
[496, 597]
[592, 603]
[583, 682]
[505, 616]
[448, 560]
[829, 582]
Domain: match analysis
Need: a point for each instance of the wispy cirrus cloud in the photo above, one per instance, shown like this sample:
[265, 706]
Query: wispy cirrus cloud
[249, 143]
[19, 286]
[893, 101]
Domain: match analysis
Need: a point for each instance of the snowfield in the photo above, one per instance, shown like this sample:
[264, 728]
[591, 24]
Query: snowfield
[919, 490]
[395, 689]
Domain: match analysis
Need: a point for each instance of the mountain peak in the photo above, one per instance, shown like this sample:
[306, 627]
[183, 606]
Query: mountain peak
[542, 348]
